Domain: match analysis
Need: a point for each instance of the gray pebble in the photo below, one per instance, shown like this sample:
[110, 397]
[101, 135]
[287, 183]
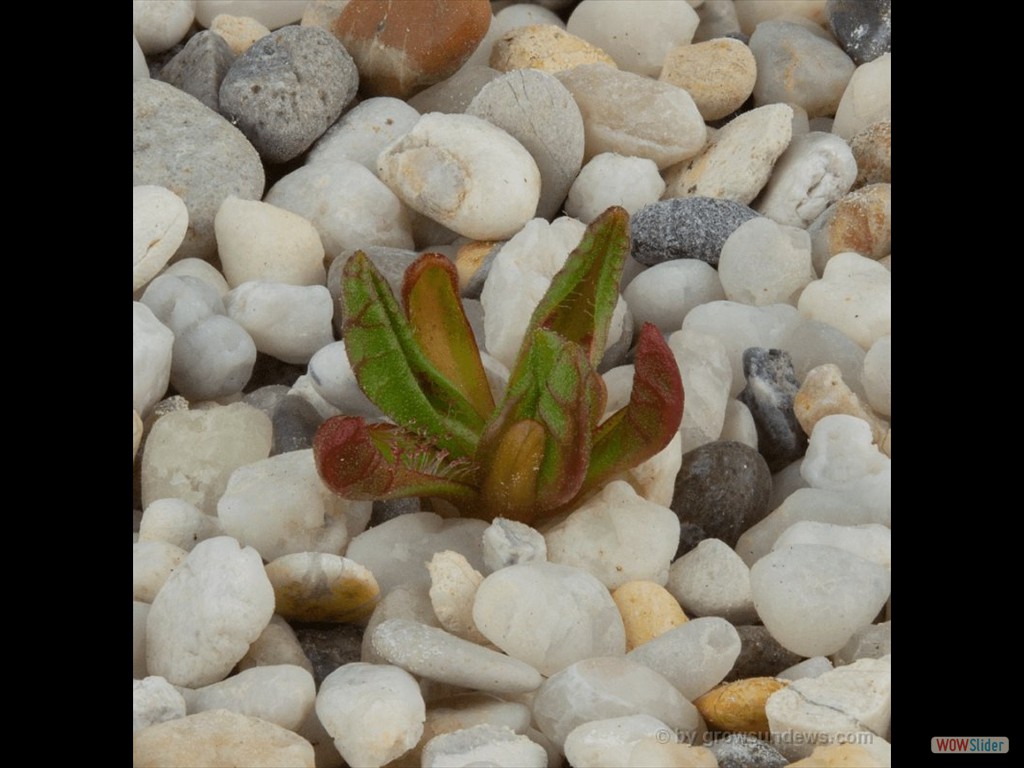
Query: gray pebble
[453, 96]
[723, 487]
[538, 111]
[181, 302]
[771, 387]
[199, 68]
[213, 359]
[761, 655]
[181, 144]
[295, 423]
[741, 750]
[287, 89]
[862, 27]
[685, 228]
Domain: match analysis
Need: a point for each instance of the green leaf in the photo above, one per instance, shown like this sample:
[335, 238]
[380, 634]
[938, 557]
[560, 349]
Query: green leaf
[383, 461]
[579, 304]
[650, 419]
[430, 293]
[392, 369]
[557, 389]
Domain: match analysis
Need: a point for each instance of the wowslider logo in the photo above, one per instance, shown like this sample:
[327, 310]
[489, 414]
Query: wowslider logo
[978, 745]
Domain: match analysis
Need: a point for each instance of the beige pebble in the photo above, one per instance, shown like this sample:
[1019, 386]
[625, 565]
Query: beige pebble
[647, 610]
[860, 222]
[136, 433]
[220, 737]
[653, 753]
[453, 585]
[318, 586]
[750, 13]
[239, 32]
[737, 161]
[846, 756]
[718, 74]
[872, 149]
[867, 98]
[738, 706]
[544, 47]
[824, 393]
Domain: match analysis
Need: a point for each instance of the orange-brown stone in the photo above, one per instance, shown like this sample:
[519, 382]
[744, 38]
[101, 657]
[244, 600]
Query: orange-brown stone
[402, 46]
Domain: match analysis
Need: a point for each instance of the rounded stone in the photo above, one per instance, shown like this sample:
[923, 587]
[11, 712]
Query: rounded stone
[863, 29]
[812, 598]
[183, 145]
[710, 645]
[270, 14]
[282, 694]
[508, 542]
[637, 34]
[740, 750]
[198, 69]
[349, 206]
[665, 293]
[763, 262]
[685, 228]
[771, 388]
[877, 375]
[722, 487]
[853, 295]
[712, 580]
[159, 26]
[738, 160]
[363, 132]
[287, 89]
[154, 700]
[560, 602]
[483, 744]
[213, 359]
[872, 149]
[290, 322]
[152, 563]
[738, 706]
[647, 610]
[824, 393]
[159, 223]
[152, 349]
[239, 32]
[859, 222]
[797, 63]
[258, 241]
[867, 99]
[538, 111]
[546, 47]
[635, 115]
[719, 74]
[400, 48]
[611, 179]
[319, 586]
[464, 173]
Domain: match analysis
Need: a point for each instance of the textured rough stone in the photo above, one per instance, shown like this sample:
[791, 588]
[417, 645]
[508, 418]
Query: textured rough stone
[722, 487]
[685, 228]
[220, 737]
[824, 393]
[853, 295]
[401, 48]
[863, 29]
[712, 580]
[719, 74]
[508, 542]
[453, 585]
[860, 221]
[483, 744]
[546, 47]
[183, 145]
[154, 700]
[872, 149]
[199, 68]
[740, 750]
[771, 388]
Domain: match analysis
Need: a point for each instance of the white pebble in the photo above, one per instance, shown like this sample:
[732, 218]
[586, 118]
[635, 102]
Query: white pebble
[464, 173]
[763, 262]
[140, 70]
[152, 563]
[270, 13]
[349, 206]
[608, 743]
[739, 424]
[655, 479]
[872, 542]
[484, 744]
[453, 585]
[877, 375]
[213, 359]
[638, 35]
[290, 322]
[373, 712]
[853, 295]
[179, 302]
[710, 645]
[665, 293]
[841, 456]
[279, 506]
[812, 598]
[712, 580]
[815, 170]
[708, 380]
[572, 615]
[607, 687]
[618, 537]
[812, 667]
[438, 655]
[159, 223]
[406, 601]
[364, 131]
[611, 179]
[177, 522]
[259, 241]
[331, 375]
[508, 542]
[811, 343]
[283, 694]
[276, 645]
[208, 612]
[154, 700]
[159, 26]
[200, 269]
[867, 98]
[152, 346]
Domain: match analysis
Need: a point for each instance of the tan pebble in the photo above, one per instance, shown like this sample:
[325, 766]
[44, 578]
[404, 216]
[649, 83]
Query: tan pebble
[544, 47]
[647, 610]
[750, 13]
[859, 222]
[453, 585]
[872, 149]
[824, 393]
[318, 586]
[471, 256]
[220, 737]
[738, 706]
[136, 433]
[842, 756]
[239, 32]
[322, 13]
[652, 753]
[718, 74]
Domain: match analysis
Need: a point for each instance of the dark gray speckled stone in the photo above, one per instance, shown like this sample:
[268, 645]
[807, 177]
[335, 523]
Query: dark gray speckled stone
[771, 387]
[199, 68]
[685, 228]
[863, 28]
